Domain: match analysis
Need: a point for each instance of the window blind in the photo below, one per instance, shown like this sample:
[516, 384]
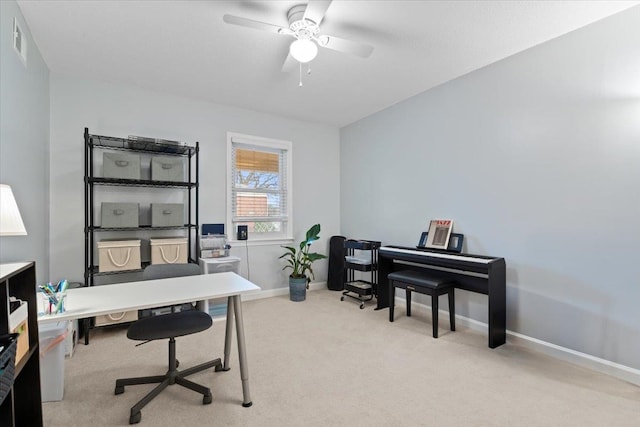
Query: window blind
[259, 188]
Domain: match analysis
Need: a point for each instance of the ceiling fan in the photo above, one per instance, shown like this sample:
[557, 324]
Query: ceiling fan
[304, 25]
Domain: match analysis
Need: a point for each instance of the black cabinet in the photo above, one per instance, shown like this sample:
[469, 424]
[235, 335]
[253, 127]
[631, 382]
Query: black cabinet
[22, 405]
[362, 256]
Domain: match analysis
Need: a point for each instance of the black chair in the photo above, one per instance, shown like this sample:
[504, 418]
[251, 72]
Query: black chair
[414, 281]
[168, 326]
[163, 271]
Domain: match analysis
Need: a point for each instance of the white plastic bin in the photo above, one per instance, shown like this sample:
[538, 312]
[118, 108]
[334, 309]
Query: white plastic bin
[72, 338]
[52, 336]
[218, 307]
[220, 265]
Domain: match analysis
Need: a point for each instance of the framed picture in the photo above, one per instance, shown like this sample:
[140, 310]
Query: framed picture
[439, 233]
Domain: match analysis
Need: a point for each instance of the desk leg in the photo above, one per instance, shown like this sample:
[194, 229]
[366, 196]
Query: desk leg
[242, 351]
[228, 333]
[86, 325]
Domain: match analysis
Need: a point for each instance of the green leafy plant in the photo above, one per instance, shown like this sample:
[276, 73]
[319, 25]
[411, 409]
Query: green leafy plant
[299, 260]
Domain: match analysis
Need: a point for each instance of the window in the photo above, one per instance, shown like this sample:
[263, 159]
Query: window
[259, 185]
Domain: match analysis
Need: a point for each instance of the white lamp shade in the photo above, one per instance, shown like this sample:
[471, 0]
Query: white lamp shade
[303, 50]
[10, 220]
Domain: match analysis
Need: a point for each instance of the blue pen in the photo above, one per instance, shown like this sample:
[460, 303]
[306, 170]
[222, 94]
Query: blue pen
[62, 288]
[50, 288]
[60, 305]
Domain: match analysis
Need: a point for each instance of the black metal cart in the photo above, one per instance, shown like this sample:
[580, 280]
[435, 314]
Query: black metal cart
[361, 255]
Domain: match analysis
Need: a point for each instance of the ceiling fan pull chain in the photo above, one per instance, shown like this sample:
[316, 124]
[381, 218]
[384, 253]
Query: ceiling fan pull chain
[308, 69]
[300, 74]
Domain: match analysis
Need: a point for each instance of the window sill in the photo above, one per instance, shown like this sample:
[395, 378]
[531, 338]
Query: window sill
[260, 242]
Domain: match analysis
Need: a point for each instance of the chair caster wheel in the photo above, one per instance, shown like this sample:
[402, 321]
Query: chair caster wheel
[119, 390]
[135, 418]
[206, 399]
[341, 298]
[361, 306]
[177, 363]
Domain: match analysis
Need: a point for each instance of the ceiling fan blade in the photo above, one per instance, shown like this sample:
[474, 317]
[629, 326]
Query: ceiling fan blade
[316, 9]
[347, 46]
[245, 22]
[289, 64]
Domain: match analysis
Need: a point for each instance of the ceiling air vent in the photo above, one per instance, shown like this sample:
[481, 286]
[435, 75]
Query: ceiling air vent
[19, 41]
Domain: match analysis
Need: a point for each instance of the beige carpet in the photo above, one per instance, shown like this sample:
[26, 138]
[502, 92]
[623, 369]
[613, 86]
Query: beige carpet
[323, 362]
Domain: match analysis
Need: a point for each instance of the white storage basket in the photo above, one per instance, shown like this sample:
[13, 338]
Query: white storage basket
[118, 255]
[115, 318]
[169, 251]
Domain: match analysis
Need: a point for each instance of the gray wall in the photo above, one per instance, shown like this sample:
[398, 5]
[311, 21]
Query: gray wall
[24, 142]
[536, 159]
[109, 109]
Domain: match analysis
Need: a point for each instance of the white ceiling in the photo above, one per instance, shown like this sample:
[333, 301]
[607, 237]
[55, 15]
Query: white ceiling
[184, 48]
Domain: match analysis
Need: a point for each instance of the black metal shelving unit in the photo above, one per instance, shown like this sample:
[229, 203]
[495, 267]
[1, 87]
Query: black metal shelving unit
[359, 289]
[92, 182]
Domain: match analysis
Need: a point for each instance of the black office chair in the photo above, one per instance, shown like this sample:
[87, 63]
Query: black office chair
[164, 271]
[168, 326]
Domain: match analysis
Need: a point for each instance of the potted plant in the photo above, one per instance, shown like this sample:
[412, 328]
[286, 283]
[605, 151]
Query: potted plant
[299, 260]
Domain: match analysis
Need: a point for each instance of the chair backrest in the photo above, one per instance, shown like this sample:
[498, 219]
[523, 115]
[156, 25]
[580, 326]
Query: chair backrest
[162, 271]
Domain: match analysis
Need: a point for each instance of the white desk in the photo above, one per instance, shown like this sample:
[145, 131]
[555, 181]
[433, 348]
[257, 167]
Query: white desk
[97, 300]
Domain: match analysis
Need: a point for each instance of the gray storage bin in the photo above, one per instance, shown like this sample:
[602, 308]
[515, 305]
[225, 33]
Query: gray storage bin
[120, 165]
[167, 214]
[119, 215]
[165, 168]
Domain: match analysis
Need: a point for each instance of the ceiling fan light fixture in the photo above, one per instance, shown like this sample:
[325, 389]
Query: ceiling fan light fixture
[303, 50]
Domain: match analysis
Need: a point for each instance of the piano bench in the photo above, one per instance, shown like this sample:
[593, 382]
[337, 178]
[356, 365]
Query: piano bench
[422, 283]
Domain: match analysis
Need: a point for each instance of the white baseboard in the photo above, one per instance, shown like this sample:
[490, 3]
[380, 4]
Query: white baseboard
[584, 360]
[281, 291]
[588, 361]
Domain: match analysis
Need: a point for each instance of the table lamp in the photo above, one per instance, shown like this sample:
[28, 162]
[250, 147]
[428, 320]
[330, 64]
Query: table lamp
[10, 220]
